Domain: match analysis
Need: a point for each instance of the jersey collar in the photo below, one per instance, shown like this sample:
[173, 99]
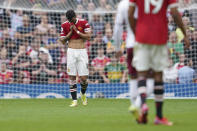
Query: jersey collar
[76, 21]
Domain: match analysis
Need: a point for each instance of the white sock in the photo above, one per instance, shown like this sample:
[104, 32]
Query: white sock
[149, 90]
[138, 102]
[150, 86]
[133, 92]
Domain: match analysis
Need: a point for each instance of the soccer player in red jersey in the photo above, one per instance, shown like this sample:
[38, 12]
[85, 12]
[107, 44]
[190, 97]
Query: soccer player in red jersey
[150, 51]
[121, 19]
[75, 31]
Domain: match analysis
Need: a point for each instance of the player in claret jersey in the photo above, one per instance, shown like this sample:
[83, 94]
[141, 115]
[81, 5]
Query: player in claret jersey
[75, 31]
[150, 52]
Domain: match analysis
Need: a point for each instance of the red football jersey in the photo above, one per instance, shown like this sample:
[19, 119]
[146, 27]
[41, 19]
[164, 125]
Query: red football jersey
[152, 24]
[81, 25]
[6, 77]
[100, 61]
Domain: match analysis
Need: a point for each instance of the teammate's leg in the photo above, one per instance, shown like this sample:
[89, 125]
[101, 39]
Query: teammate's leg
[141, 62]
[149, 90]
[159, 97]
[150, 82]
[159, 63]
[133, 93]
[133, 77]
[142, 77]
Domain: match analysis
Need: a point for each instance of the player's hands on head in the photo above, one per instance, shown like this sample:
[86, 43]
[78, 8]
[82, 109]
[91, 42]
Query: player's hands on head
[186, 41]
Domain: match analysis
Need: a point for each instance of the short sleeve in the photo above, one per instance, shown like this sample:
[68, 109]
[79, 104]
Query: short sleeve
[136, 13]
[63, 32]
[172, 3]
[132, 2]
[87, 27]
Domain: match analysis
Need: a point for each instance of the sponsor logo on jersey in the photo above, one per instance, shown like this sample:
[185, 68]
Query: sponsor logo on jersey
[79, 28]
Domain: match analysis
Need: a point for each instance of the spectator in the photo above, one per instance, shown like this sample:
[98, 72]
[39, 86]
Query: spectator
[11, 47]
[102, 5]
[91, 8]
[95, 77]
[8, 3]
[43, 29]
[193, 53]
[33, 50]
[181, 62]
[108, 41]
[97, 43]
[176, 48]
[108, 35]
[83, 3]
[16, 19]
[80, 7]
[170, 74]
[23, 77]
[98, 64]
[3, 56]
[100, 61]
[114, 72]
[62, 74]
[44, 71]
[6, 36]
[186, 74]
[52, 42]
[56, 4]
[97, 24]
[21, 62]
[24, 32]
[81, 15]
[171, 24]
[6, 76]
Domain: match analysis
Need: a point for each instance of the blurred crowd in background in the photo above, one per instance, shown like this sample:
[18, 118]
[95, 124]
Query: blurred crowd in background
[31, 54]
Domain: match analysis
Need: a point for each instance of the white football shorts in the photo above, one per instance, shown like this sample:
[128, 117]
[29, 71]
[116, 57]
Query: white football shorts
[148, 56]
[77, 62]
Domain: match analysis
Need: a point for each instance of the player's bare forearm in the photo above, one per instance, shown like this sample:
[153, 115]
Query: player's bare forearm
[65, 38]
[132, 20]
[86, 36]
[178, 19]
[179, 22]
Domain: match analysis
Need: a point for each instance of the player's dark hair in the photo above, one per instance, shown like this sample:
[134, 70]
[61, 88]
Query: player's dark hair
[70, 14]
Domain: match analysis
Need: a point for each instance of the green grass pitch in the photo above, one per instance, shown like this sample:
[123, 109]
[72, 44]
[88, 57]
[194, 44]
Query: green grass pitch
[99, 115]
